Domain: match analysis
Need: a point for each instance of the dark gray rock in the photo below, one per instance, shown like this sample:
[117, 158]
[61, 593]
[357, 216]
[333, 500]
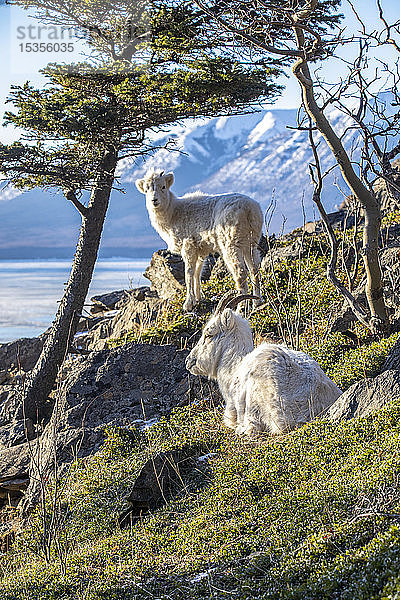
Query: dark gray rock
[10, 401]
[14, 461]
[21, 354]
[134, 384]
[108, 301]
[153, 485]
[393, 360]
[17, 432]
[163, 476]
[4, 377]
[14, 478]
[366, 396]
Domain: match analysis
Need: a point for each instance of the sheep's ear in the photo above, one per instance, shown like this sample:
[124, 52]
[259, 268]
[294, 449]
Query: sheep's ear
[140, 185]
[228, 319]
[169, 179]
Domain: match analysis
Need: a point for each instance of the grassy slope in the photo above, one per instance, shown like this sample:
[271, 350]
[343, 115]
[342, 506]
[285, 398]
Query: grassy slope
[290, 517]
[312, 514]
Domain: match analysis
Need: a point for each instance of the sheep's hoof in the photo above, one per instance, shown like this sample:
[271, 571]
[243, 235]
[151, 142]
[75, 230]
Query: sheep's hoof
[249, 430]
[240, 429]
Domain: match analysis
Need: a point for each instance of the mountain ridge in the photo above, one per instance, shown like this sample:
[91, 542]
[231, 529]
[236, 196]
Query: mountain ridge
[259, 154]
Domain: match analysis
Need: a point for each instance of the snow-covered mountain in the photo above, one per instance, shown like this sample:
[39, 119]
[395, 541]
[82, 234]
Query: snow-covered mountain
[260, 154]
[256, 154]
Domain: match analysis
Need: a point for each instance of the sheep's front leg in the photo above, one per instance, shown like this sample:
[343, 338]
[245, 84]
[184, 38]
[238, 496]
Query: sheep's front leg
[190, 257]
[197, 280]
[253, 261]
[234, 260]
[230, 415]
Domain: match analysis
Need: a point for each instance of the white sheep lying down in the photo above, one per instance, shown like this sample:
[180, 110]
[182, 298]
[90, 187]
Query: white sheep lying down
[198, 224]
[269, 388]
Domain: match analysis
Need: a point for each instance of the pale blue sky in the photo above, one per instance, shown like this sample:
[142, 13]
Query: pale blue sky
[17, 66]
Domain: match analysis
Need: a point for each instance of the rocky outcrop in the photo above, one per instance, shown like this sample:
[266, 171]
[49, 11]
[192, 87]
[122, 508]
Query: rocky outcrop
[16, 432]
[369, 395]
[167, 273]
[366, 396]
[10, 406]
[134, 384]
[162, 477]
[140, 312]
[388, 196]
[390, 263]
[341, 219]
[21, 354]
[14, 469]
[137, 308]
[153, 486]
[110, 301]
[120, 312]
[393, 360]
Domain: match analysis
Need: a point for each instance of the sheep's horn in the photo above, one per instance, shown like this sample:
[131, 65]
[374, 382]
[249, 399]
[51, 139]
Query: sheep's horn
[224, 301]
[161, 173]
[232, 304]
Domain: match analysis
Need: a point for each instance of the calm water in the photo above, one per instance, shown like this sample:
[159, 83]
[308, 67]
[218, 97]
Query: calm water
[30, 290]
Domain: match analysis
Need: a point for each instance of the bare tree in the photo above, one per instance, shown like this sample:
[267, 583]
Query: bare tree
[372, 101]
[301, 34]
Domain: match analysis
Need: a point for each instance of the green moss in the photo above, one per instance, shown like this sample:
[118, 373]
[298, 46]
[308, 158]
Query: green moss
[278, 518]
[172, 326]
[391, 218]
[346, 363]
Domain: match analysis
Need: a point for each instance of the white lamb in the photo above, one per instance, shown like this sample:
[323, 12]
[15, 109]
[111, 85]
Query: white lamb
[270, 388]
[196, 225]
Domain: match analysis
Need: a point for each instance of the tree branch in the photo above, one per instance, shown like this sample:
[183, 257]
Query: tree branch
[71, 196]
[317, 180]
[246, 36]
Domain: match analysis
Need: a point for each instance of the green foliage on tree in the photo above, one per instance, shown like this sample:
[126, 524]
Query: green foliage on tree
[115, 102]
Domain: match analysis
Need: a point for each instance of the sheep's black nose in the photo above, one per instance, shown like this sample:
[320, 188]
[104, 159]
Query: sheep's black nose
[155, 201]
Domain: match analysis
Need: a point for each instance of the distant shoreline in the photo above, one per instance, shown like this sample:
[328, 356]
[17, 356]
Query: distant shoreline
[32, 253]
[31, 289]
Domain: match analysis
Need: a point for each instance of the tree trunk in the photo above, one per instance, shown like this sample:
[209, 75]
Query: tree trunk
[370, 250]
[43, 377]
